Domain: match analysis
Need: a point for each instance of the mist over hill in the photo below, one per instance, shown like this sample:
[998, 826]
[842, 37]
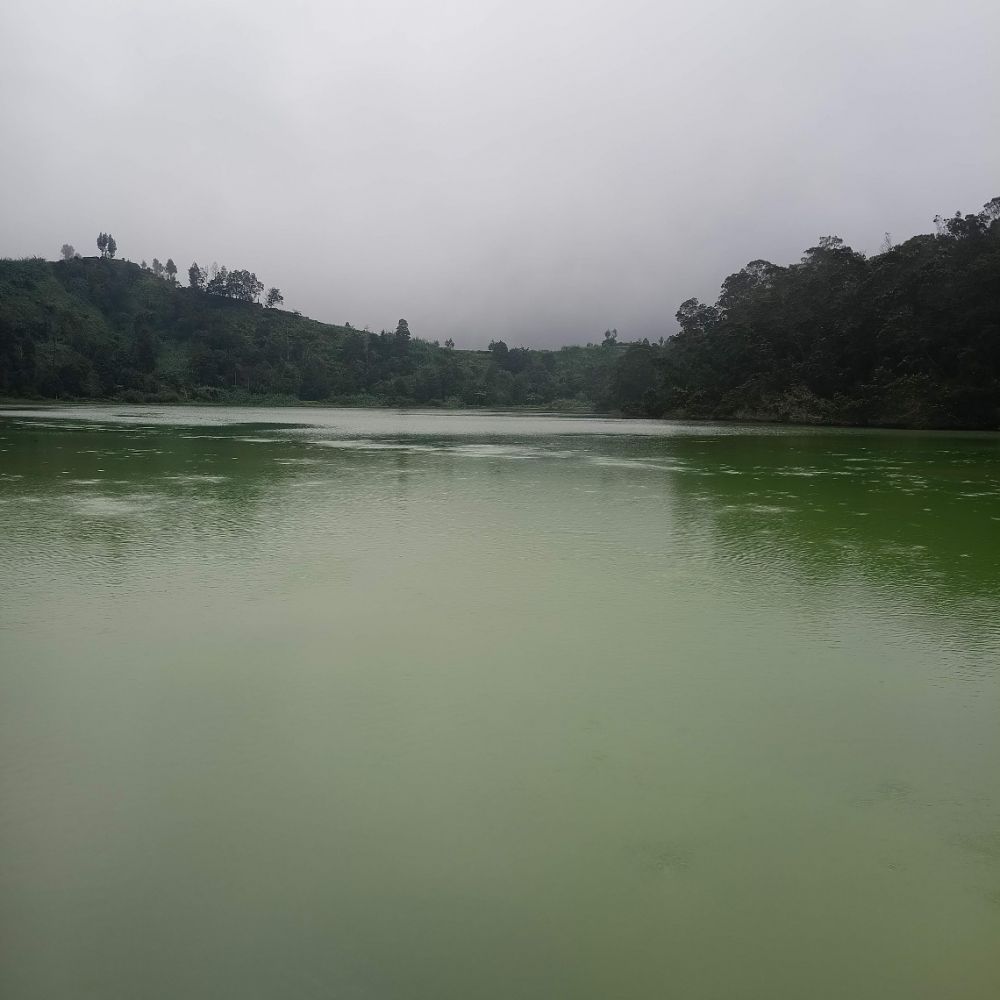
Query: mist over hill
[909, 337]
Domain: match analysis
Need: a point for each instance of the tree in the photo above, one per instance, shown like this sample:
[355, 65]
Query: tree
[217, 283]
[240, 285]
[634, 377]
[610, 338]
[112, 247]
[171, 270]
[402, 333]
[498, 349]
[243, 286]
[157, 268]
[102, 243]
[739, 289]
[696, 317]
[830, 243]
[274, 298]
[196, 277]
[450, 344]
[67, 251]
[144, 348]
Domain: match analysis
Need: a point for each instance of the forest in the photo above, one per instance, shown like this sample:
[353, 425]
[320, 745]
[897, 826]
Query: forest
[907, 337]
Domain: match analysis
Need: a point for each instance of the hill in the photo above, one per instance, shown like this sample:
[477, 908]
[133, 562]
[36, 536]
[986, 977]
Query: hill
[93, 328]
[909, 337]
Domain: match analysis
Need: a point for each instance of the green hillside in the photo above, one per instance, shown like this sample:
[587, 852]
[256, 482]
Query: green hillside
[908, 337]
[92, 328]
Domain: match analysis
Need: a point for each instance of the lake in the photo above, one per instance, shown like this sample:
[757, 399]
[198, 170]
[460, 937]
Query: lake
[369, 704]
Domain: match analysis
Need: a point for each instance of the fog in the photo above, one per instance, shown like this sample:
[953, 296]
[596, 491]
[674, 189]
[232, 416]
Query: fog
[533, 171]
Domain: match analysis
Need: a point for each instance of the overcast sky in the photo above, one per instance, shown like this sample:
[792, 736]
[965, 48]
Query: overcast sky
[536, 171]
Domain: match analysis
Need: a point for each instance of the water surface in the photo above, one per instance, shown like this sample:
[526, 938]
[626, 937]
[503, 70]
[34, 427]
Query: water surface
[364, 704]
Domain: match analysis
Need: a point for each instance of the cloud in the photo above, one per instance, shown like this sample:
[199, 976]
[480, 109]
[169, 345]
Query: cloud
[537, 171]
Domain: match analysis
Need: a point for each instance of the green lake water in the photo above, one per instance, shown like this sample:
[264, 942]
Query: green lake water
[360, 704]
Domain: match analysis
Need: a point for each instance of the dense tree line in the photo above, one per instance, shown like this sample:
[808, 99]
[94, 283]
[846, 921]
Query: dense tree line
[240, 285]
[86, 328]
[907, 337]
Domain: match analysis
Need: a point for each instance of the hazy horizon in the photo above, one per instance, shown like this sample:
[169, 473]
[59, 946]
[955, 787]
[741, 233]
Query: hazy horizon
[532, 172]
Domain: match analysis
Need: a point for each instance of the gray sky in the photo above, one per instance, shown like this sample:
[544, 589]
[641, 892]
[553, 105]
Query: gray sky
[537, 171]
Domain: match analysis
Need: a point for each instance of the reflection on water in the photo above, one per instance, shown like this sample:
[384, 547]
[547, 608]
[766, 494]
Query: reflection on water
[375, 704]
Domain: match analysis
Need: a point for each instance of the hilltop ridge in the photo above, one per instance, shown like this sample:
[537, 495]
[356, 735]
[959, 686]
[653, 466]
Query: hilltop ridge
[908, 337]
[93, 328]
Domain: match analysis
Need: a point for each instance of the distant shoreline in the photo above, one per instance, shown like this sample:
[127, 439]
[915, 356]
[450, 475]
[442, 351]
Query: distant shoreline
[749, 421]
[904, 339]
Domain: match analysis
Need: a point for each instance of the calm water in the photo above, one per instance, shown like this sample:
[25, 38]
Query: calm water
[315, 704]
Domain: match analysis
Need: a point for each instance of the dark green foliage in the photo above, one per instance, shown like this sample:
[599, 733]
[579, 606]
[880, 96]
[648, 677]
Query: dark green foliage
[196, 277]
[95, 329]
[242, 286]
[909, 337]
[106, 244]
